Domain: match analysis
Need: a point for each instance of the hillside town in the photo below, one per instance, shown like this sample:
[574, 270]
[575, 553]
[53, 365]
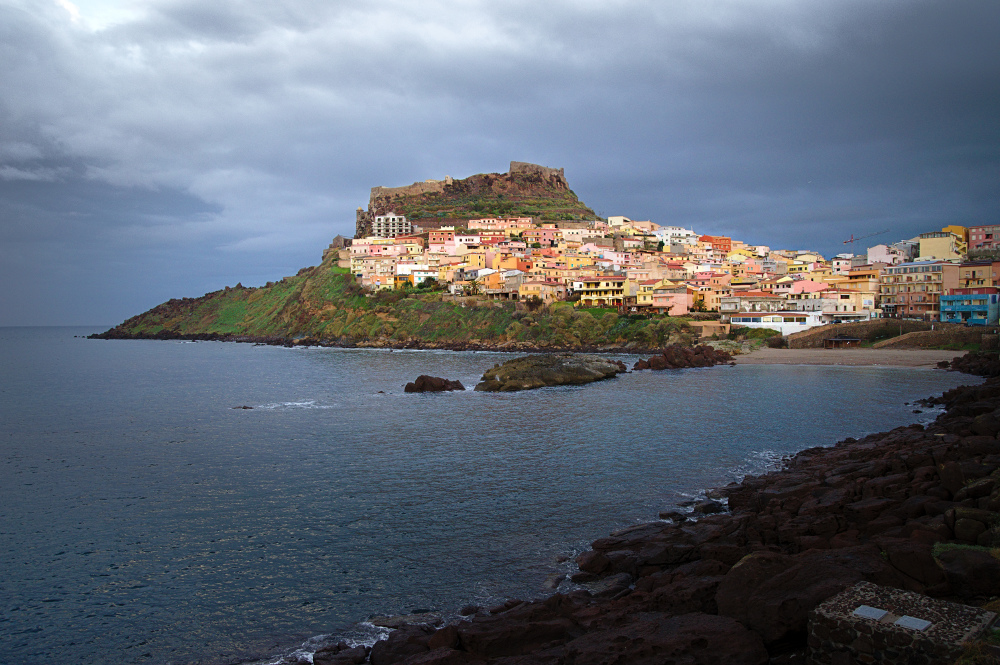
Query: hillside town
[640, 267]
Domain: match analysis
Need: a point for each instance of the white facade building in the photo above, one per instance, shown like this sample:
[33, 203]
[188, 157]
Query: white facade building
[784, 322]
[391, 225]
[675, 235]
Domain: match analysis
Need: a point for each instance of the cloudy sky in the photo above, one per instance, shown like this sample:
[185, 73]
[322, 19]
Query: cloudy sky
[152, 149]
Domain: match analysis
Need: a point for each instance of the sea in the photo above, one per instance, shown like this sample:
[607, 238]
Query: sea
[147, 518]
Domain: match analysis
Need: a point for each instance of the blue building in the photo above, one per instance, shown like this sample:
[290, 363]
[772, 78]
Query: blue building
[974, 307]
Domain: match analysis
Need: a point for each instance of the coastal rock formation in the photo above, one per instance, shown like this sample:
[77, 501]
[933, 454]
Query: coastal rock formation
[916, 508]
[539, 371]
[432, 384]
[980, 364]
[677, 356]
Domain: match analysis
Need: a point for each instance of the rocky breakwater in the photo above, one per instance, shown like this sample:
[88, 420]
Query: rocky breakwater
[915, 508]
[539, 371]
[677, 356]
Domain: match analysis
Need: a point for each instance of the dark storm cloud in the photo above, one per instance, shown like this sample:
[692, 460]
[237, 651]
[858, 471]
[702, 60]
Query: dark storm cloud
[192, 145]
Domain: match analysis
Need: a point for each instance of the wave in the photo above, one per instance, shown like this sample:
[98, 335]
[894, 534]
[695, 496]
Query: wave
[286, 406]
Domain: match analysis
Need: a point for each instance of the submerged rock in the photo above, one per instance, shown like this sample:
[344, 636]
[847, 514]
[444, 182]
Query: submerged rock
[540, 371]
[677, 356]
[432, 384]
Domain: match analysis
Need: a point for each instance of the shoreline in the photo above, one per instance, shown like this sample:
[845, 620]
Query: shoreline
[876, 509]
[864, 357]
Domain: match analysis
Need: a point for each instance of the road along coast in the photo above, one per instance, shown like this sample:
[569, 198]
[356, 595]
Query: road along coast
[915, 508]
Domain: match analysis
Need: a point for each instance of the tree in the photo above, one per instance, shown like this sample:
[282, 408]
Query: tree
[533, 303]
[428, 283]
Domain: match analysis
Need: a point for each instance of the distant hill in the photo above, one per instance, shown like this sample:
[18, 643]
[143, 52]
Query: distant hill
[526, 190]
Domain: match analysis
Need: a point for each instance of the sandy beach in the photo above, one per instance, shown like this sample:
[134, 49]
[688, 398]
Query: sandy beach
[857, 357]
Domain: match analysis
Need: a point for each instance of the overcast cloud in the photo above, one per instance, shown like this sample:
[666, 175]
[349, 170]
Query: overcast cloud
[165, 148]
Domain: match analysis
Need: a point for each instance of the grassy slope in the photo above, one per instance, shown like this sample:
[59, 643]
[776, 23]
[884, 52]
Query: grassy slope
[323, 303]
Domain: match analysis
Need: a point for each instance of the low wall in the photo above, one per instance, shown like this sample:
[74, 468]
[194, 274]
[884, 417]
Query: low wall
[942, 335]
[866, 330]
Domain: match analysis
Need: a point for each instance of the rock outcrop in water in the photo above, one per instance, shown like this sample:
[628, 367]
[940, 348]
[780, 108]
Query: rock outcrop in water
[915, 508]
[677, 356]
[540, 371]
[432, 384]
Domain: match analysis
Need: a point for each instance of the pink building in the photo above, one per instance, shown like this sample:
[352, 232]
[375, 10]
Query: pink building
[543, 236]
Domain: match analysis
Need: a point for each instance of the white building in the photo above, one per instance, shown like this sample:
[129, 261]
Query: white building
[784, 322]
[391, 225]
[675, 235]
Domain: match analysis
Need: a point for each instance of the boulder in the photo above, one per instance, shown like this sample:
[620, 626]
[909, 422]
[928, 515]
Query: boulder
[401, 643]
[677, 356]
[701, 639]
[592, 562]
[971, 571]
[340, 654]
[543, 370]
[709, 507]
[432, 384]
[611, 586]
[772, 593]
[496, 636]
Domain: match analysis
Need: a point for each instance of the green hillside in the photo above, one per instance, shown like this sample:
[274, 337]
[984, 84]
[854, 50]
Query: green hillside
[323, 305]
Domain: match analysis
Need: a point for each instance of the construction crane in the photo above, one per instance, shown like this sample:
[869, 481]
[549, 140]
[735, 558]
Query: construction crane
[850, 241]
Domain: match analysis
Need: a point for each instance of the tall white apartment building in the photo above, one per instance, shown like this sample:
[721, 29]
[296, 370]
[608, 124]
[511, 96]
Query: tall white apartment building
[391, 225]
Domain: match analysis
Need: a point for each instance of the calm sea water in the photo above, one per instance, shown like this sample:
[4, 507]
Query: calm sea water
[144, 520]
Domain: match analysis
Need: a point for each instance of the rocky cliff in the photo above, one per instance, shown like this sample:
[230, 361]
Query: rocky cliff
[526, 190]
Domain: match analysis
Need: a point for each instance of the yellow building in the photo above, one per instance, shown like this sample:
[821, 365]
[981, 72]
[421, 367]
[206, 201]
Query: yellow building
[943, 246]
[646, 288]
[476, 259]
[959, 231]
[971, 275]
[818, 274]
[605, 291]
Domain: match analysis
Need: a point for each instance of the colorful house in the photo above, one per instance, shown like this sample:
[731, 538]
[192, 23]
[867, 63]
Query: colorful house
[973, 307]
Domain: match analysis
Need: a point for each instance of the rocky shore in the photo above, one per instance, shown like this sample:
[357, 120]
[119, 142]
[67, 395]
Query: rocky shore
[677, 356]
[379, 343]
[916, 508]
[540, 371]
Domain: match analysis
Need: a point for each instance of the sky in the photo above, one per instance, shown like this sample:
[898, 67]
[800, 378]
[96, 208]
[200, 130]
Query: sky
[152, 149]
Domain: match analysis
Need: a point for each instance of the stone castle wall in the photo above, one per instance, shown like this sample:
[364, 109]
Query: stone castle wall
[544, 171]
[416, 189]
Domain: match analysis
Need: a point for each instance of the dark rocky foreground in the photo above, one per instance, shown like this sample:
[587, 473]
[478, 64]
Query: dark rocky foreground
[677, 356]
[539, 371]
[914, 508]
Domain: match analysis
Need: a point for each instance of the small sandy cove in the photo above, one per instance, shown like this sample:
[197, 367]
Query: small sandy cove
[878, 357]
